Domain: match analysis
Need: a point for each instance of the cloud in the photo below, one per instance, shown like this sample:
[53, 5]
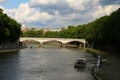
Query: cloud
[2, 1]
[42, 2]
[25, 14]
[58, 13]
[63, 6]
[2, 7]
[10, 12]
[51, 6]
[104, 10]
[70, 19]
[81, 4]
[109, 2]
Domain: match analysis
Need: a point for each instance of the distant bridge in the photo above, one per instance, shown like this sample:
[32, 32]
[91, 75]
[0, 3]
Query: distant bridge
[63, 41]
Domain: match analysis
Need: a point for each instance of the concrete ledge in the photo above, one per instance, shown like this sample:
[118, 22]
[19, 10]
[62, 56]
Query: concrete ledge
[2, 51]
[94, 74]
[96, 53]
[11, 50]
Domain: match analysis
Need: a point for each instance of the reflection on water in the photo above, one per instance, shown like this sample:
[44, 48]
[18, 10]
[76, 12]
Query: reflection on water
[52, 46]
[44, 64]
[9, 66]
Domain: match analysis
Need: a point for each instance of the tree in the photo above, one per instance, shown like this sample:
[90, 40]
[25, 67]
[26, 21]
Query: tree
[10, 29]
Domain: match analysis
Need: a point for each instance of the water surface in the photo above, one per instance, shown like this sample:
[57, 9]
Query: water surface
[44, 64]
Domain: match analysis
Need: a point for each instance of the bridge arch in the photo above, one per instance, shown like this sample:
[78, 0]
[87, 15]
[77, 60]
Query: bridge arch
[75, 43]
[30, 41]
[53, 42]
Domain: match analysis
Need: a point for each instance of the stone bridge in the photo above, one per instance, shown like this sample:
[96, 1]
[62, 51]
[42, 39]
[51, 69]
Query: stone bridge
[63, 41]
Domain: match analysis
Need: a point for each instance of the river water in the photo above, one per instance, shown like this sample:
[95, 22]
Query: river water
[50, 63]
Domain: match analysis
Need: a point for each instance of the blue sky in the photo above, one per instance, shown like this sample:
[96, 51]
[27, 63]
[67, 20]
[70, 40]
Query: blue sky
[57, 13]
[12, 3]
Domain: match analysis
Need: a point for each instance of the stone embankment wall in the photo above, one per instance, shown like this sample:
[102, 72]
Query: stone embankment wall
[8, 45]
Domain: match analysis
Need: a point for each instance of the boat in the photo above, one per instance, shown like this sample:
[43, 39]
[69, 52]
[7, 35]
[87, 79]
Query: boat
[80, 63]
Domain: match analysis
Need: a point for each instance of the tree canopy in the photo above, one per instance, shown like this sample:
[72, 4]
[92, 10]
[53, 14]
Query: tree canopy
[10, 29]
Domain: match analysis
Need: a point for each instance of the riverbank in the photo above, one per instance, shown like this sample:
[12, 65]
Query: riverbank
[96, 52]
[12, 49]
[109, 70]
[3, 51]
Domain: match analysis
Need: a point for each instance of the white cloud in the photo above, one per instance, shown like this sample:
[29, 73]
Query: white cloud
[25, 14]
[2, 7]
[58, 13]
[10, 12]
[2, 0]
[104, 10]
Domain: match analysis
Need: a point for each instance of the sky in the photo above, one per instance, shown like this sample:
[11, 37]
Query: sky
[57, 13]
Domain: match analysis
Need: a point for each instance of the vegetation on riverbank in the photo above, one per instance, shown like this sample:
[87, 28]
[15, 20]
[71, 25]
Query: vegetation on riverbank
[96, 52]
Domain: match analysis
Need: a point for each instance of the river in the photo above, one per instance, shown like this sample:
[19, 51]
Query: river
[50, 63]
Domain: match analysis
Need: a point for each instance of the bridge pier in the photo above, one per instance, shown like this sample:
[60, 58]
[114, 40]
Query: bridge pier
[63, 45]
[41, 45]
[84, 45]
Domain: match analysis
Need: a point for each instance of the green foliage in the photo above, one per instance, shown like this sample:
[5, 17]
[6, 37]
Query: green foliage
[10, 30]
[33, 33]
[51, 34]
[113, 27]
